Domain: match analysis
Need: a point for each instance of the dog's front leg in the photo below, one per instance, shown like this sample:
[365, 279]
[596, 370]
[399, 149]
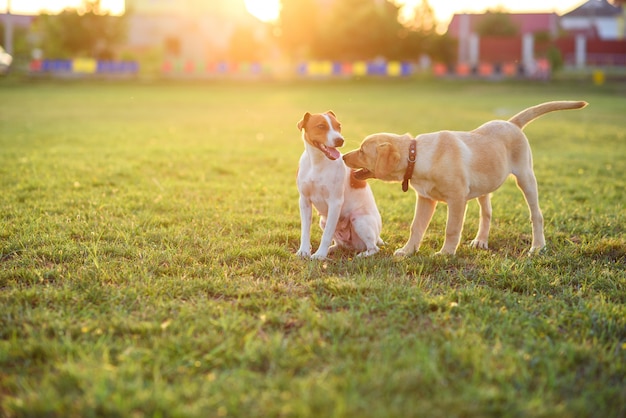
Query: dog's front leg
[334, 210]
[306, 214]
[482, 237]
[424, 210]
[454, 226]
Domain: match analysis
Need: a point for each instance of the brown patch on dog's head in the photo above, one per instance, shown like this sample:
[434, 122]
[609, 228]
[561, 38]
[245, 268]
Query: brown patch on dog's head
[302, 123]
[323, 131]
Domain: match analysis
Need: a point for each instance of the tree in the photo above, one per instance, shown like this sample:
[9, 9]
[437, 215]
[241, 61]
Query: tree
[497, 23]
[355, 30]
[422, 19]
[297, 28]
[420, 36]
[442, 48]
[86, 32]
[361, 29]
[244, 46]
[21, 47]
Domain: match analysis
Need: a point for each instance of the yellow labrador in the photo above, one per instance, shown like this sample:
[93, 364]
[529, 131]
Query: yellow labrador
[454, 167]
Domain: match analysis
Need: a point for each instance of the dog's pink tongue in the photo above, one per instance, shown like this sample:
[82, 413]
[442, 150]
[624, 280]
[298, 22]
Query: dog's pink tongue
[333, 153]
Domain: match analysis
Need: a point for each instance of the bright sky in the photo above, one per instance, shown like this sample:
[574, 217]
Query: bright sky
[266, 9]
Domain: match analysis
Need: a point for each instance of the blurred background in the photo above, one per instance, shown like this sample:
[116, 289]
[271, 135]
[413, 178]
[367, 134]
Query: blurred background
[267, 39]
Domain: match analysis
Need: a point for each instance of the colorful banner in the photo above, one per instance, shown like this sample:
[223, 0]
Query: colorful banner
[82, 66]
[307, 69]
[358, 69]
[222, 68]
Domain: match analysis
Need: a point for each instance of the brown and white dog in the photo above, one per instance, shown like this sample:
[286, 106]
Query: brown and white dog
[348, 212]
[454, 167]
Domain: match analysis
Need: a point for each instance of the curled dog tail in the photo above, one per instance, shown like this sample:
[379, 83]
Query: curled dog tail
[526, 116]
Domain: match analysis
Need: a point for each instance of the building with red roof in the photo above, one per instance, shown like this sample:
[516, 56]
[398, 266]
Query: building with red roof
[526, 23]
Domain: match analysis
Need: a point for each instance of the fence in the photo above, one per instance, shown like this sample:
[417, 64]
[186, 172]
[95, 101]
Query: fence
[328, 69]
[539, 69]
[191, 69]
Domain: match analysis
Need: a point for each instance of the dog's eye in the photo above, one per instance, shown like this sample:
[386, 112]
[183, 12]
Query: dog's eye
[321, 126]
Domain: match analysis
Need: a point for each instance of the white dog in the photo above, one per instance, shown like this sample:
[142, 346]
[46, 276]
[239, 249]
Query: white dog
[348, 212]
[454, 167]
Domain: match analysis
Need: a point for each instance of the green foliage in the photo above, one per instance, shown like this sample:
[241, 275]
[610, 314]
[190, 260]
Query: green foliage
[497, 24]
[442, 48]
[555, 58]
[21, 47]
[147, 267]
[85, 33]
[360, 30]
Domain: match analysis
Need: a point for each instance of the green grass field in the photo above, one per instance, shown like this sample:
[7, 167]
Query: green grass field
[147, 267]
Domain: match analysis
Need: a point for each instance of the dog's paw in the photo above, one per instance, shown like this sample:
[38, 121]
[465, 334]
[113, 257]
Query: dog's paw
[402, 252]
[443, 253]
[318, 256]
[476, 243]
[536, 250]
[369, 252]
[303, 254]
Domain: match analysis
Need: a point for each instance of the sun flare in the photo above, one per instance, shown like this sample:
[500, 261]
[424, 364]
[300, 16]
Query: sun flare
[266, 10]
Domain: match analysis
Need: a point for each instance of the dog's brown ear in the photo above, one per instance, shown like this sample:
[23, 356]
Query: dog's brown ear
[387, 160]
[304, 120]
[330, 112]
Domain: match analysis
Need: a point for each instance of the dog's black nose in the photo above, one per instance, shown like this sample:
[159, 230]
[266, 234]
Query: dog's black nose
[338, 142]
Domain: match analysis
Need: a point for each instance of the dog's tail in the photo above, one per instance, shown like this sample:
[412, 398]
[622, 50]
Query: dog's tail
[526, 116]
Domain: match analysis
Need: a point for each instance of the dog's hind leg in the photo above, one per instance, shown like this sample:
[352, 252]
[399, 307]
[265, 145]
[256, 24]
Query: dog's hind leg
[482, 237]
[527, 183]
[364, 227]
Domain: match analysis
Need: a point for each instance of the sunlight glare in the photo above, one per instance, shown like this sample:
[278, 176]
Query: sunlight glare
[115, 7]
[265, 10]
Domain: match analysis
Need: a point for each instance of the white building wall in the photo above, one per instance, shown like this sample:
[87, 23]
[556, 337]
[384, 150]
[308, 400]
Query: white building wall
[607, 27]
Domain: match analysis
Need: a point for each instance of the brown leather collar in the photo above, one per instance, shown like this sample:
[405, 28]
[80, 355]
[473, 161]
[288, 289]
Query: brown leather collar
[409, 168]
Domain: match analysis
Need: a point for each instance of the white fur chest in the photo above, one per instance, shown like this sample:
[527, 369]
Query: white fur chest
[322, 182]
